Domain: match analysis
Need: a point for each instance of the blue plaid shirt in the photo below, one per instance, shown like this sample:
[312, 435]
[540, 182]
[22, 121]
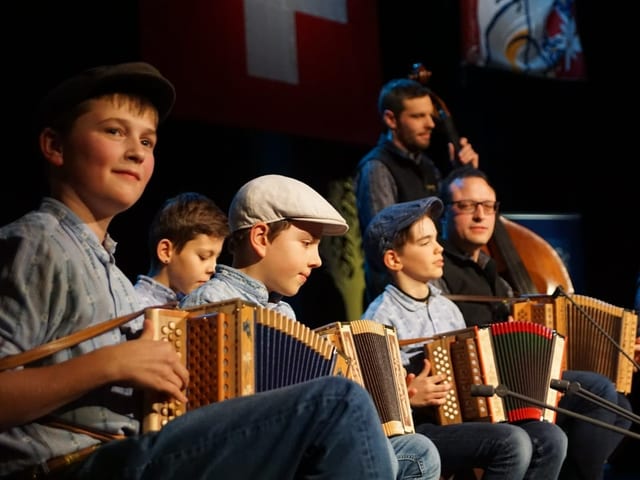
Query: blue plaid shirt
[57, 278]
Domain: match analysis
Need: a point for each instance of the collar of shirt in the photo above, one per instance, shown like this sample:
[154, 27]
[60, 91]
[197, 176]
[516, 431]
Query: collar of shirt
[388, 144]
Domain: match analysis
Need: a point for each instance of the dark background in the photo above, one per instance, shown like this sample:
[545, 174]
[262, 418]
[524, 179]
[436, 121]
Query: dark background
[549, 146]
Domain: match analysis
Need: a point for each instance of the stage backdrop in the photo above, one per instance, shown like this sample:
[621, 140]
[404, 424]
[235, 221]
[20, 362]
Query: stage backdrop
[303, 67]
[532, 37]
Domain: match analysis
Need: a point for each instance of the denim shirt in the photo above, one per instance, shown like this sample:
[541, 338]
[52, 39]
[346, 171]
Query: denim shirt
[152, 293]
[414, 318]
[228, 283]
[57, 278]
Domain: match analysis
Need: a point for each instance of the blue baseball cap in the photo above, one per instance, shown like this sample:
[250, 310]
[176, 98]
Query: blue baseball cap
[383, 228]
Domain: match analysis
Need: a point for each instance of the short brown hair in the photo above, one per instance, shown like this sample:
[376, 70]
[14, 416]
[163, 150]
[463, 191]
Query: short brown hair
[182, 218]
[238, 237]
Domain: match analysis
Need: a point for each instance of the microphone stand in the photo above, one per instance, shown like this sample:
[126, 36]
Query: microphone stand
[560, 291]
[502, 391]
[571, 388]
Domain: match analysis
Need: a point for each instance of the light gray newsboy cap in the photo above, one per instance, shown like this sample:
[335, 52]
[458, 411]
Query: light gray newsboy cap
[271, 198]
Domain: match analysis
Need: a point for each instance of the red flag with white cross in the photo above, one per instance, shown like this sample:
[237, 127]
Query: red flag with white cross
[304, 67]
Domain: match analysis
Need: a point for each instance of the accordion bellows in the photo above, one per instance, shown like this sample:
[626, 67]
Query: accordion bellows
[235, 348]
[600, 336]
[374, 361]
[524, 357]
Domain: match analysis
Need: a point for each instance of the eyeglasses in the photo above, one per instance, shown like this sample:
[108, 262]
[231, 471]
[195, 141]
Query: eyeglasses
[470, 206]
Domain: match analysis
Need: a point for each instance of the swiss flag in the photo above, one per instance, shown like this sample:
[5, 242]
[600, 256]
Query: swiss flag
[305, 67]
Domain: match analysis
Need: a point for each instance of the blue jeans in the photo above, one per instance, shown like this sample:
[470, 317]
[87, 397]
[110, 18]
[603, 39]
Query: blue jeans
[417, 457]
[502, 450]
[327, 428]
[549, 452]
[590, 445]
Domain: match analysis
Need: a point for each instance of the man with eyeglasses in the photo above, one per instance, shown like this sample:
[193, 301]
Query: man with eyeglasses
[397, 169]
[467, 224]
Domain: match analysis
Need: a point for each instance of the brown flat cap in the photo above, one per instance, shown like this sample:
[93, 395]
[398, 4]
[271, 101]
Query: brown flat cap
[134, 77]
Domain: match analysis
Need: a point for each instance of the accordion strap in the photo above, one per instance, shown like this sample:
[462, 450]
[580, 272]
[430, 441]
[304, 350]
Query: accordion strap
[492, 299]
[56, 422]
[46, 349]
[476, 298]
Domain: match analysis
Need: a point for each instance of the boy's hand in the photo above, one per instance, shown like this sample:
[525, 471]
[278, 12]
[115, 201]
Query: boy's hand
[426, 389]
[152, 364]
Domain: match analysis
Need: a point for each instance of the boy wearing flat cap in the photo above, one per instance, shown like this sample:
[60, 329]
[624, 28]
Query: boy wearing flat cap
[276, 225]
[73, 414]
[402, 238]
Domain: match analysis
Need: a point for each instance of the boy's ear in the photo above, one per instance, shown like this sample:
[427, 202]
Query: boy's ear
[51, 146]
[164, 250]
[391, 260]
[258, 238]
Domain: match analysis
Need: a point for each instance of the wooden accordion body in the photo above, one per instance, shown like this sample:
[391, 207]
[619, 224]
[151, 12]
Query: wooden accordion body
[373, 356]
[600, 336]
[524, 357]
[235, 348]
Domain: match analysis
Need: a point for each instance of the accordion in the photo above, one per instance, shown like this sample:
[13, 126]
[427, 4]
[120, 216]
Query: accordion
[524, 357]
[234, 348]
[600, 336]
[373, 355]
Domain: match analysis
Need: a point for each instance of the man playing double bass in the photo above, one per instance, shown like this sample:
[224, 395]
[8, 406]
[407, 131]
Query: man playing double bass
[397, 169]
[468, 222]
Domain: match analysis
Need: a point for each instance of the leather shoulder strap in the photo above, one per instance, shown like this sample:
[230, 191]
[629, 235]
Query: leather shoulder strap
[41, 351]
[477, 298]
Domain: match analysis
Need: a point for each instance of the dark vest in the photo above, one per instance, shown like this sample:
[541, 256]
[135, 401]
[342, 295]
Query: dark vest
[413, 180]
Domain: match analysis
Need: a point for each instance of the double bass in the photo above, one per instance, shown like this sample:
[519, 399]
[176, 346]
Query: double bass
[525, 259]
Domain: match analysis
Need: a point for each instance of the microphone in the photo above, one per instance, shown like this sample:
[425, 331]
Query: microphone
[503, 391]
[563, 386]
[559, 291]
[482, 390]
[574, 388]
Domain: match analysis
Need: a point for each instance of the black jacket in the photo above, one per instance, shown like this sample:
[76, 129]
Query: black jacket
[462, 275]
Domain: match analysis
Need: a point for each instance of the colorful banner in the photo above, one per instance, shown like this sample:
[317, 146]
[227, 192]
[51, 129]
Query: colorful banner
[306, 67]
[536, 37]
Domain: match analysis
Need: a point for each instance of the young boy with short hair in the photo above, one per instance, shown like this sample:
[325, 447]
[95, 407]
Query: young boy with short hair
[186, 238]
[402, 238]
[277, 223]
[58, 274]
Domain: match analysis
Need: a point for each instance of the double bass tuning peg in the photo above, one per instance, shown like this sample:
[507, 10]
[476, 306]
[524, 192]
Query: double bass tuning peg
[420, 74]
